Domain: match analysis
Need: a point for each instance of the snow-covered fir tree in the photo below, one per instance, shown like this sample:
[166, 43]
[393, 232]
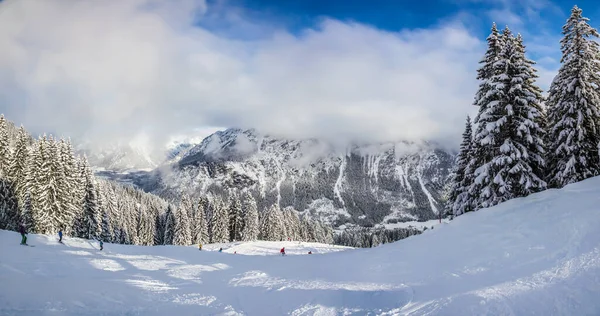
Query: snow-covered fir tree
[91, 213]
[573, 106]
[182, 233]
[5, 154]
[112, 210]
[508, 132]
[291, 223]
[106, 234]
[9, 216]
[529, 84]
[42, 201]
[484, 74]
[159, 229]
[18, 165]
[236, 219]
[250, 210]
[305, 231]
[201, 235]
[26, 212]
[170, 223]
[272, 224]
[220, 221]
[459, 200]
[486, 70]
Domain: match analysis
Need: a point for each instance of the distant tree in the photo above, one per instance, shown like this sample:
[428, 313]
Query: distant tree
[220, 221]
[460, 201]
[236, 219]
[170, 223]
[200, 222]
[250, 211]
[272, 225]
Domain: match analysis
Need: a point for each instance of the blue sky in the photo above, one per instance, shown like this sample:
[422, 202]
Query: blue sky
[540, 21]
[343, 71]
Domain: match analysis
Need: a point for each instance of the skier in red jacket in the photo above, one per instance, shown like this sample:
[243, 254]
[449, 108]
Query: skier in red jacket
[282, 251]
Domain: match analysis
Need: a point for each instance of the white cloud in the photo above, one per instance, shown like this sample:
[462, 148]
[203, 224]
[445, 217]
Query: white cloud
[114, 68]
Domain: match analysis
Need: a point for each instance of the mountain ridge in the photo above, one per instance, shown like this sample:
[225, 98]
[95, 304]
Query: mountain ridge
[364, 185]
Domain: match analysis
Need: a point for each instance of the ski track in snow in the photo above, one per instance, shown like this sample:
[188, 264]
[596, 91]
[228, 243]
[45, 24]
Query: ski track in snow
[536, 255]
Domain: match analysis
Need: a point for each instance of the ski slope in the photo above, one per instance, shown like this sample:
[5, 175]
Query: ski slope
[267, 248]
[538, 255]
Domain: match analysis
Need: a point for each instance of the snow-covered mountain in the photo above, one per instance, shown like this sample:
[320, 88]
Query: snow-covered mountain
[119, 156]
[362, 184]
[136, 154]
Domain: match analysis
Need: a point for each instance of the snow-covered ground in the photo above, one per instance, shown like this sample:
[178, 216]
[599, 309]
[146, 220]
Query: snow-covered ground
[267, 248]
[538, 255]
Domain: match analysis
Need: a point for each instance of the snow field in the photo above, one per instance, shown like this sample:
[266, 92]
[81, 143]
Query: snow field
[538, 255]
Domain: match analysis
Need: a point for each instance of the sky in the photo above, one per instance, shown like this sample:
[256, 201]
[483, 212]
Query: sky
[343, 71]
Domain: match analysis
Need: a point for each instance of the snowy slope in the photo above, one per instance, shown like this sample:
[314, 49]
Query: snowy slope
[266, 248]
[538, 255]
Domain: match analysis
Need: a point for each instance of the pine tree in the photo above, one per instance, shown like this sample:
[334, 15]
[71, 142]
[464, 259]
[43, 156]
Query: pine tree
[494, 41]
[236, 220]
[484, 74]
[529, 84]
[18, 165]
[250, 210]
[459, 200]
[272, 225]
[201, 225]
[9, 216]
[106, 229]
[305, 233]
[26, 212]
[319, 231]
[114, 216]
[170, 223]
[159, 230]
[329, 235]
[182, 234]
[79, 226]
[62, 170]
[509, 133]
[573, 106]
[42, 198]
[92, 220]
[5, 154]
[291, 223]
[220, 221]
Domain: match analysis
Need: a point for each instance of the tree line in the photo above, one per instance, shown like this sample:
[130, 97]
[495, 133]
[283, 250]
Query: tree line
[520, 142]
[45, 187]
[364, 237]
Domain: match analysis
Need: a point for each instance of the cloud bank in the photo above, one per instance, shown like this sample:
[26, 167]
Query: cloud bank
[114, 69]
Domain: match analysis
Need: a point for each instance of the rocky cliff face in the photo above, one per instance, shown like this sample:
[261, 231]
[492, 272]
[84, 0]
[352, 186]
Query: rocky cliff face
[364, 185]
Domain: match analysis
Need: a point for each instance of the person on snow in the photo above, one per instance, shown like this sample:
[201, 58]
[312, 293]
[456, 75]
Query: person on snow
[101, 245]
[282, 251]
[199, 246]
[220, 249]
[310, 252]
[23, 233]
[60, 236]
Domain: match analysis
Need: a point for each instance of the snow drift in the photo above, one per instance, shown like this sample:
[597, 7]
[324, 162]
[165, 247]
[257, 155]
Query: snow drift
[536, 255]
